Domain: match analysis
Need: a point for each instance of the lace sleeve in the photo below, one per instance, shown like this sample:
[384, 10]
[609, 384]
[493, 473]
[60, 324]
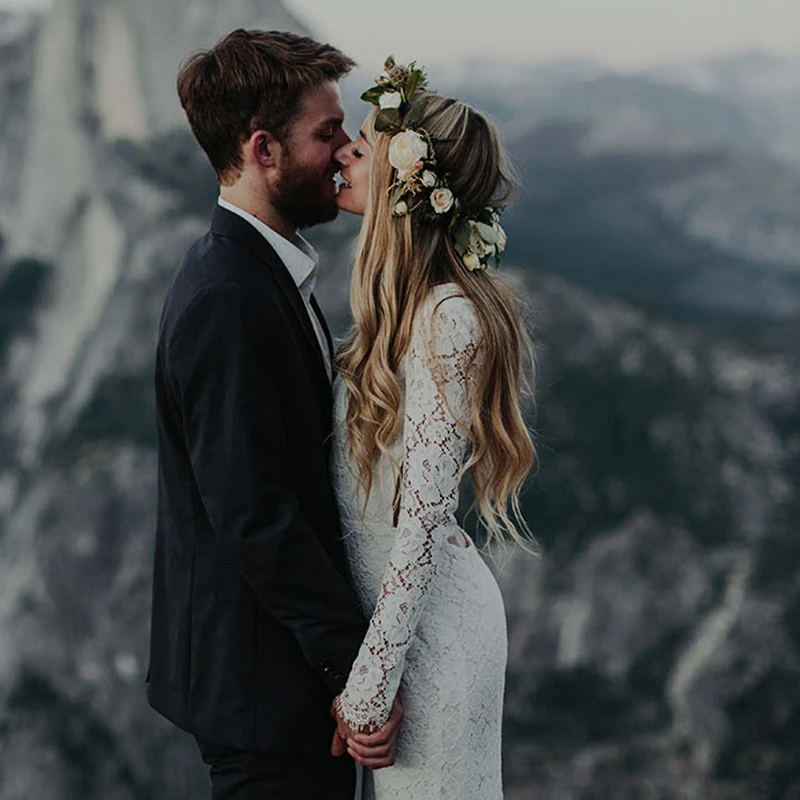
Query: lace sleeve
[443, 349]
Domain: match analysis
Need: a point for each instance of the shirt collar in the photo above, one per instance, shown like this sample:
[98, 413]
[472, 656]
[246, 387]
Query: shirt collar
[298, 256]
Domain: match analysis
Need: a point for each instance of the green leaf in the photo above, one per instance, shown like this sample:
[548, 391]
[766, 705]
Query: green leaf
[416, 113]
[397, 195]
[414, 80]
[386, 119]
[488, 233]
[462, 238]
[373, 95]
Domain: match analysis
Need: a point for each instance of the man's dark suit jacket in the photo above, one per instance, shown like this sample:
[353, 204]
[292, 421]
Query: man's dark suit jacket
[254, 623]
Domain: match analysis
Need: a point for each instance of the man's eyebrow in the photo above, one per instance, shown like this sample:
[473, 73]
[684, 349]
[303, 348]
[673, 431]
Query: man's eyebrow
[335, 121]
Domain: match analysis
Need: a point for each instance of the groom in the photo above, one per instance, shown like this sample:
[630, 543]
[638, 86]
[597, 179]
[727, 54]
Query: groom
[254, 624]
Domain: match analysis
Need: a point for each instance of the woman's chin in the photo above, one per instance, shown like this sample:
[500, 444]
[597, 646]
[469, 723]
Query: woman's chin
[345, 204]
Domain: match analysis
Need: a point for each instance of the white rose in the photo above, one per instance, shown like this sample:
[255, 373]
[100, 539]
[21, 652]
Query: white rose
[428, 178]
[390, 100]
[502, 239]
[471, 261]
[400, 208]
[441, 199]
[405, 150]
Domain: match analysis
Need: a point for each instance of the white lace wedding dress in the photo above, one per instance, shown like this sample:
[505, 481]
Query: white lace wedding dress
[438, 628]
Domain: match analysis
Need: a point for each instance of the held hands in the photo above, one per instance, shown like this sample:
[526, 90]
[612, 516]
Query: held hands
[373, 750]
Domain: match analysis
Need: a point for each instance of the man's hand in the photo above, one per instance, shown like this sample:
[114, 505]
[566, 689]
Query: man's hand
[373, 750]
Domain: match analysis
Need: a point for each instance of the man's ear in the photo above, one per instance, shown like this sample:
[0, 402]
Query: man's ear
[263, 148]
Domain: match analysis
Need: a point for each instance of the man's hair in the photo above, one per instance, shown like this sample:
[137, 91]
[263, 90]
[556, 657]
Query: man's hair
[251, 80]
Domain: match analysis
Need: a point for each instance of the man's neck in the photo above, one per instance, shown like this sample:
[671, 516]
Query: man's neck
[260, 208]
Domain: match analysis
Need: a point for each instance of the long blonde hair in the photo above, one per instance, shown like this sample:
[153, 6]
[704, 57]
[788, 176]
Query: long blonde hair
[398, 262]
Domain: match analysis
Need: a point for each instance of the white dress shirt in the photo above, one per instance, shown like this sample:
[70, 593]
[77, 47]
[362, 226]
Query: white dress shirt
[301, 260]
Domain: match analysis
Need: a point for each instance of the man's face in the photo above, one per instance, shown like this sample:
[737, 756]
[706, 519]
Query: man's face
[304, 190]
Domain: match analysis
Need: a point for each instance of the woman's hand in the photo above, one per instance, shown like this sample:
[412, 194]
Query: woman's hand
[372, 750]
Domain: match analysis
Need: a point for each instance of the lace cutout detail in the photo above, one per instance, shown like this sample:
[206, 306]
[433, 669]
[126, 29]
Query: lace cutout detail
[440, 359]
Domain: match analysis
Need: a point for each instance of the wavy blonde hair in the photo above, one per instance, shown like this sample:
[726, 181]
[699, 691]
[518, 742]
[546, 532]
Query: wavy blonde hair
[398, 262]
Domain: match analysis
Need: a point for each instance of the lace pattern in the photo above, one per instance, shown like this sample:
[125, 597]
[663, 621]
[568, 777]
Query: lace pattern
[437, 367]
[438, 622]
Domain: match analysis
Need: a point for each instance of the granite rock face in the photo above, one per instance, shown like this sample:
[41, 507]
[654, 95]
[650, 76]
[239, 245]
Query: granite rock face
[654, 646]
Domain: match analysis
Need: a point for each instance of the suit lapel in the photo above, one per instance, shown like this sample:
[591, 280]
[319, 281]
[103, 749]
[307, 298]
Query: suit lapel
[295, 300]
[324, 323]
[225, 223]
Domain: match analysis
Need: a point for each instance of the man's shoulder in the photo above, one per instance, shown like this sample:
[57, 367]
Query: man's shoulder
[215, 261]
[218, 271]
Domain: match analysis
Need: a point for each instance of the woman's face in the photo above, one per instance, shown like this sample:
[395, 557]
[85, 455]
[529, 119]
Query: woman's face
[354, 189]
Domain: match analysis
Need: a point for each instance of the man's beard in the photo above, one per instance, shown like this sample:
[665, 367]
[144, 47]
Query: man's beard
[300, 198]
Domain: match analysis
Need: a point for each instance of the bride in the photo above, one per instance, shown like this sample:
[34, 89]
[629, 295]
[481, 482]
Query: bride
[429, 387]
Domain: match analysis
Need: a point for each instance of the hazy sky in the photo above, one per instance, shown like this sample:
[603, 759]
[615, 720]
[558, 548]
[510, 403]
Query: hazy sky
[624, 33]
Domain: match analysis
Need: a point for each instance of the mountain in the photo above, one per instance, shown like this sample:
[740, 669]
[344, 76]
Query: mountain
[111, 191]
[705, 234]
[767, 85]
[18, 33]
[654, 650]
[666, 188]
[654, 645]
[746, 102]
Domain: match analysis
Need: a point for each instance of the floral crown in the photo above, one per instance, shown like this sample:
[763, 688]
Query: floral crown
[419, 186]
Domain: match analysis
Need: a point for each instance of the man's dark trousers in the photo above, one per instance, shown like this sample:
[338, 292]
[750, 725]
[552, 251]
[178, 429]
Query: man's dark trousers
[252, 775]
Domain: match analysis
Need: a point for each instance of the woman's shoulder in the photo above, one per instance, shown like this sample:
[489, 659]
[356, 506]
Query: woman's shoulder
[447, 313]
[447, 298]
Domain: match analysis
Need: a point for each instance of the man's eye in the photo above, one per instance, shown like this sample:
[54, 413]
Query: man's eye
[327, 136]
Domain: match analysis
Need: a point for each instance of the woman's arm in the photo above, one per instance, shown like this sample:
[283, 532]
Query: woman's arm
[441, 356]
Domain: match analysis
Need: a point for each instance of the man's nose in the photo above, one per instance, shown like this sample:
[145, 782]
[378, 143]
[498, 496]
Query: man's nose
[341, 140]
[341, 155]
